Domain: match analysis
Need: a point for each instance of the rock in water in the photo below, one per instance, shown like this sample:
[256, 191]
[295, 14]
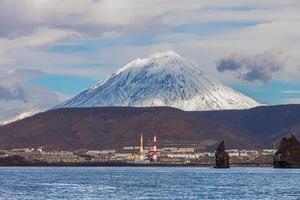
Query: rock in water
[288, 153]
[222, 157]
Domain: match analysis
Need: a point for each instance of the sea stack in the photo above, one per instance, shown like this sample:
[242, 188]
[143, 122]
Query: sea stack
[288, 153]
[222, 157]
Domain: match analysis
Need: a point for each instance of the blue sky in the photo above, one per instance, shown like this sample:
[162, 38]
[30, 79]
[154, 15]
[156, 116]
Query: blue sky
[272, 94]
[71, 47]
[64, 84]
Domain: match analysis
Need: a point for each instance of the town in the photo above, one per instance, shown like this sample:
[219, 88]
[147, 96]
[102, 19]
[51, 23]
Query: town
[145, 154]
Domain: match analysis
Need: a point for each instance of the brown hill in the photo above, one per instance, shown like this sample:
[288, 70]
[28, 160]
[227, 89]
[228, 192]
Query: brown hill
[115, 127]
[265, 124]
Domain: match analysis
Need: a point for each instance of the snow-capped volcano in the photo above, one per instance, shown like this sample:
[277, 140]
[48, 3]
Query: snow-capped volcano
[164, 79]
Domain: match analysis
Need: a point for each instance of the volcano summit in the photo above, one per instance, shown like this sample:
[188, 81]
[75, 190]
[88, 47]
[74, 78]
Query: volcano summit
[163, 79]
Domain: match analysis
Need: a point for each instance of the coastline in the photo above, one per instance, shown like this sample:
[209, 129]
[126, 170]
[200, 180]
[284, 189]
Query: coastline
[122, 164]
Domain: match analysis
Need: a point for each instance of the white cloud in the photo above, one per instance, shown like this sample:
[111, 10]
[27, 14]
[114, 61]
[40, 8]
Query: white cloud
[17, 96]
[28, 26]
[97, 17]
[206, 50]
[44, 36]
[40, 37]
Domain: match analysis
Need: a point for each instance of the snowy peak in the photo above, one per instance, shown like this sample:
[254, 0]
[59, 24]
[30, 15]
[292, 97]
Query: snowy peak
[163, 79]
[158, 59]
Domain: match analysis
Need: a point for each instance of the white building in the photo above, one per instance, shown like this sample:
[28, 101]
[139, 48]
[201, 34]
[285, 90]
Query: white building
[268, 151]
[233, 152]
[186, 156]
[93, 152]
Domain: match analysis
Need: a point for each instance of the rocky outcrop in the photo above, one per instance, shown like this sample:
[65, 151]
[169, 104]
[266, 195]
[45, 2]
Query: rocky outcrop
[222, 157]
[288, 153]
[16, 160]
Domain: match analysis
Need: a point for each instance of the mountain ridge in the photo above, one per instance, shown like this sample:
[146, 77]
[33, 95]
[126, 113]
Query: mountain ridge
[115, 127]
[163, 79]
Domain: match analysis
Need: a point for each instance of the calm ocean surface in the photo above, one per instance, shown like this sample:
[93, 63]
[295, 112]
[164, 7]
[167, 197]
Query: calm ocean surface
[148, 183]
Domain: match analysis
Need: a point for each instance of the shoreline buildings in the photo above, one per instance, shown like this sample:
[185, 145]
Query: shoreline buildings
[144, 153]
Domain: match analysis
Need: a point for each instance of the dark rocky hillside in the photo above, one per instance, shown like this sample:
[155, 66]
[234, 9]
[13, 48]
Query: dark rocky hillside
[115, 127]
[266, 124]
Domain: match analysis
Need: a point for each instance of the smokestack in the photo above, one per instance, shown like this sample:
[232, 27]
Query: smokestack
[149, 151]
[142, 148]
[154, 148]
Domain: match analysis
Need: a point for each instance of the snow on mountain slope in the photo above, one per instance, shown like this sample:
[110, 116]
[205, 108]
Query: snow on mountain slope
[164, 79]
[20, 116]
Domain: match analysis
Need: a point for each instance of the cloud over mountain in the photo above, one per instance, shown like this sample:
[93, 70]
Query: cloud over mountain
[253, 68]
[18, 96]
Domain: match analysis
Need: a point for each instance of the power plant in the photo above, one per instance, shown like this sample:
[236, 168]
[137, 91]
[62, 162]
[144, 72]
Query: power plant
[151, 155]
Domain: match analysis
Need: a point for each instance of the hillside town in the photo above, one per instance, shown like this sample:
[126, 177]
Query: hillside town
[145, 154]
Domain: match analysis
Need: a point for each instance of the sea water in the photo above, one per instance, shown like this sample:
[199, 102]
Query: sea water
[148, 183]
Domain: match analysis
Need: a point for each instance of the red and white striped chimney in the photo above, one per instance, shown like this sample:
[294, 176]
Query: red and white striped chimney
[154, 148]
[149, 150]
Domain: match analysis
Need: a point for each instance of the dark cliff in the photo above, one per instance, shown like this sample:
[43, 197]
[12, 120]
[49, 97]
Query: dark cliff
[288, 153]
[221, 156]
